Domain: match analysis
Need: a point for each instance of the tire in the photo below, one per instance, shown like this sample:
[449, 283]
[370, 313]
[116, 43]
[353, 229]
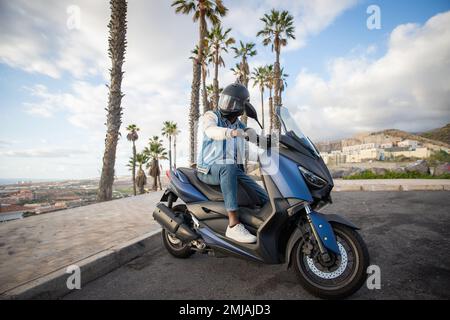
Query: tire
[174, 245]
[347, 276]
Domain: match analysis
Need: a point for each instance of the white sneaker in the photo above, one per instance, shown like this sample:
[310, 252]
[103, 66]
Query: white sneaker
[240, 234]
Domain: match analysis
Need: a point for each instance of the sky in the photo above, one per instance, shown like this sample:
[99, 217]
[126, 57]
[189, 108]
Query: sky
[344, 77]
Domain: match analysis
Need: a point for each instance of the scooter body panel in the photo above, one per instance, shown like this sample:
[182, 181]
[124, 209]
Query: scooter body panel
[287, 177]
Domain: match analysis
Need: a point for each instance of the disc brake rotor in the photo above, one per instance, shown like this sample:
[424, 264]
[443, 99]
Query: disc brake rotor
[332, 274]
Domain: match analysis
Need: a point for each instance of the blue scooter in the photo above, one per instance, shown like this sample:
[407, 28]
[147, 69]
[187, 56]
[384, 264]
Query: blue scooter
[325, 251]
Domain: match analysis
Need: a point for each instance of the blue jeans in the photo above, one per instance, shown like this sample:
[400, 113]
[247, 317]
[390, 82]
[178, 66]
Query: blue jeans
[227, 176]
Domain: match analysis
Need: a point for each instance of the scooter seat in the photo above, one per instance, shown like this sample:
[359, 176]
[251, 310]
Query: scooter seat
[247, 197]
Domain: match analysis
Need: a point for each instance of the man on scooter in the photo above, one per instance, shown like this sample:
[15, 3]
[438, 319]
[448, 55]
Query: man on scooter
[222, 153]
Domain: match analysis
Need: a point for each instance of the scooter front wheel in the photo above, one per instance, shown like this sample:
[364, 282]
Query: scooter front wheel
[340, 277]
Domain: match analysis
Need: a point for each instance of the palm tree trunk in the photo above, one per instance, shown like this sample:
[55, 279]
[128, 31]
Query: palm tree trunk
[117, 44]
[246, 77]
[262, 107]
[174, 152]
[142, 184]
[155, 183]
[170, 152]
[271, 112]
[155, 169]
[194, 112]
[134, 168]
[244, 82]
[202, 35]
[206, 105]
[216, 80]
[141, 180]
[159, 181]
[277, 101]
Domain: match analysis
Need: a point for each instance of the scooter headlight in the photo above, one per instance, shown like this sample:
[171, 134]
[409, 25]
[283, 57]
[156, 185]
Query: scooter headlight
[312, 179]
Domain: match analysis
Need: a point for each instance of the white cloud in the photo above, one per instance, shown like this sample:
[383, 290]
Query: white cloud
[310, 17]
[42, 42]
[4, 143]
[408, 88]
[43, 153]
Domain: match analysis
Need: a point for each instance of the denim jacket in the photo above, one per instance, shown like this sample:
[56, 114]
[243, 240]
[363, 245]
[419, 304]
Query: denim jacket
[220, 148]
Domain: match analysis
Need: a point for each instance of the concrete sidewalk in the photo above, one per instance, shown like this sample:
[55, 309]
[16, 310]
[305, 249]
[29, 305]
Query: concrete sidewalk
[35, 252]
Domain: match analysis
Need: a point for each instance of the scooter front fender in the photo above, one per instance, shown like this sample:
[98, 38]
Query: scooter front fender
[326, 231]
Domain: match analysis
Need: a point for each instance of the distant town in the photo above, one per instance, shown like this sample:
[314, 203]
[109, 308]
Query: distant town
[388, 145]
[26, 198]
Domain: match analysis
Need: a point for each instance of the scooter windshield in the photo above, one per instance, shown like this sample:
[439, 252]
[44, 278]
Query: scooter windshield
[290, 127]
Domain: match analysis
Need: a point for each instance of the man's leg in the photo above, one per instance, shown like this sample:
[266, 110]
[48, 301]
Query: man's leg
[228, 185]
[225, 175]
[262, 194]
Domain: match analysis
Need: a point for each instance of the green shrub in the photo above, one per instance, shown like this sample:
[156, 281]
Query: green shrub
[439, 157]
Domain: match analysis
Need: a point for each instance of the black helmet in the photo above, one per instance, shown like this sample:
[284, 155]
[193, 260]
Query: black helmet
[233, 100]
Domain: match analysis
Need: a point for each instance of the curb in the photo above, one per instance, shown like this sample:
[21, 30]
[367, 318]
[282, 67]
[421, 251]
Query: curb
[53, 285]
[392, 185]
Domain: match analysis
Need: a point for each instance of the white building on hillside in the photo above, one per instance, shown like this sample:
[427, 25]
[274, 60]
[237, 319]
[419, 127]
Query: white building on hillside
[412, 144]
[358, 147]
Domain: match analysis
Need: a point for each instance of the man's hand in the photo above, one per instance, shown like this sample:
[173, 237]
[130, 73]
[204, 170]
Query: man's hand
[237, 133]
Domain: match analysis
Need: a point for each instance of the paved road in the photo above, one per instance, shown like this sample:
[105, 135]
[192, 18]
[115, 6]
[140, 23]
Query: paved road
[408, 235]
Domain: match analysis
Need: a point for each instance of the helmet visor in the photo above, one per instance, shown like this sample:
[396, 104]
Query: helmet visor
[229, 104]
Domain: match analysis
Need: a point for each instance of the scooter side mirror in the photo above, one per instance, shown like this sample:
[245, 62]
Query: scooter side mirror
[251, 112]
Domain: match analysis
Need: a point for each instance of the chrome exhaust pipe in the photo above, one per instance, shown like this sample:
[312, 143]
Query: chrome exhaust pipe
[173, 223]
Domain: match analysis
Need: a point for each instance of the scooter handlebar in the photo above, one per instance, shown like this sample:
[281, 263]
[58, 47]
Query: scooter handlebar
[251, 136]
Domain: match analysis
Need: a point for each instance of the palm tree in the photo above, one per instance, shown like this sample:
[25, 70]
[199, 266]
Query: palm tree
[170, 130]
[278, 28]
[283, 83]
[175, 133]
[156, 152]
[133, 136]
[210, 93]
[259, 79]
[131, 163]
[269, 76]
[141, 179]
[238, 73]
[117, 45]
[244, 51]
[204, 73]
[219, 40]
[202, 10]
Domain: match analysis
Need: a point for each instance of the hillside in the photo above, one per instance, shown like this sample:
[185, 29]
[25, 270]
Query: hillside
[406, 135]
[440, 134]
[437, 137]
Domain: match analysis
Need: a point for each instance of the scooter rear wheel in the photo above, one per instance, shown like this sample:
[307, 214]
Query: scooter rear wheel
[175, 246]
[339, 279]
